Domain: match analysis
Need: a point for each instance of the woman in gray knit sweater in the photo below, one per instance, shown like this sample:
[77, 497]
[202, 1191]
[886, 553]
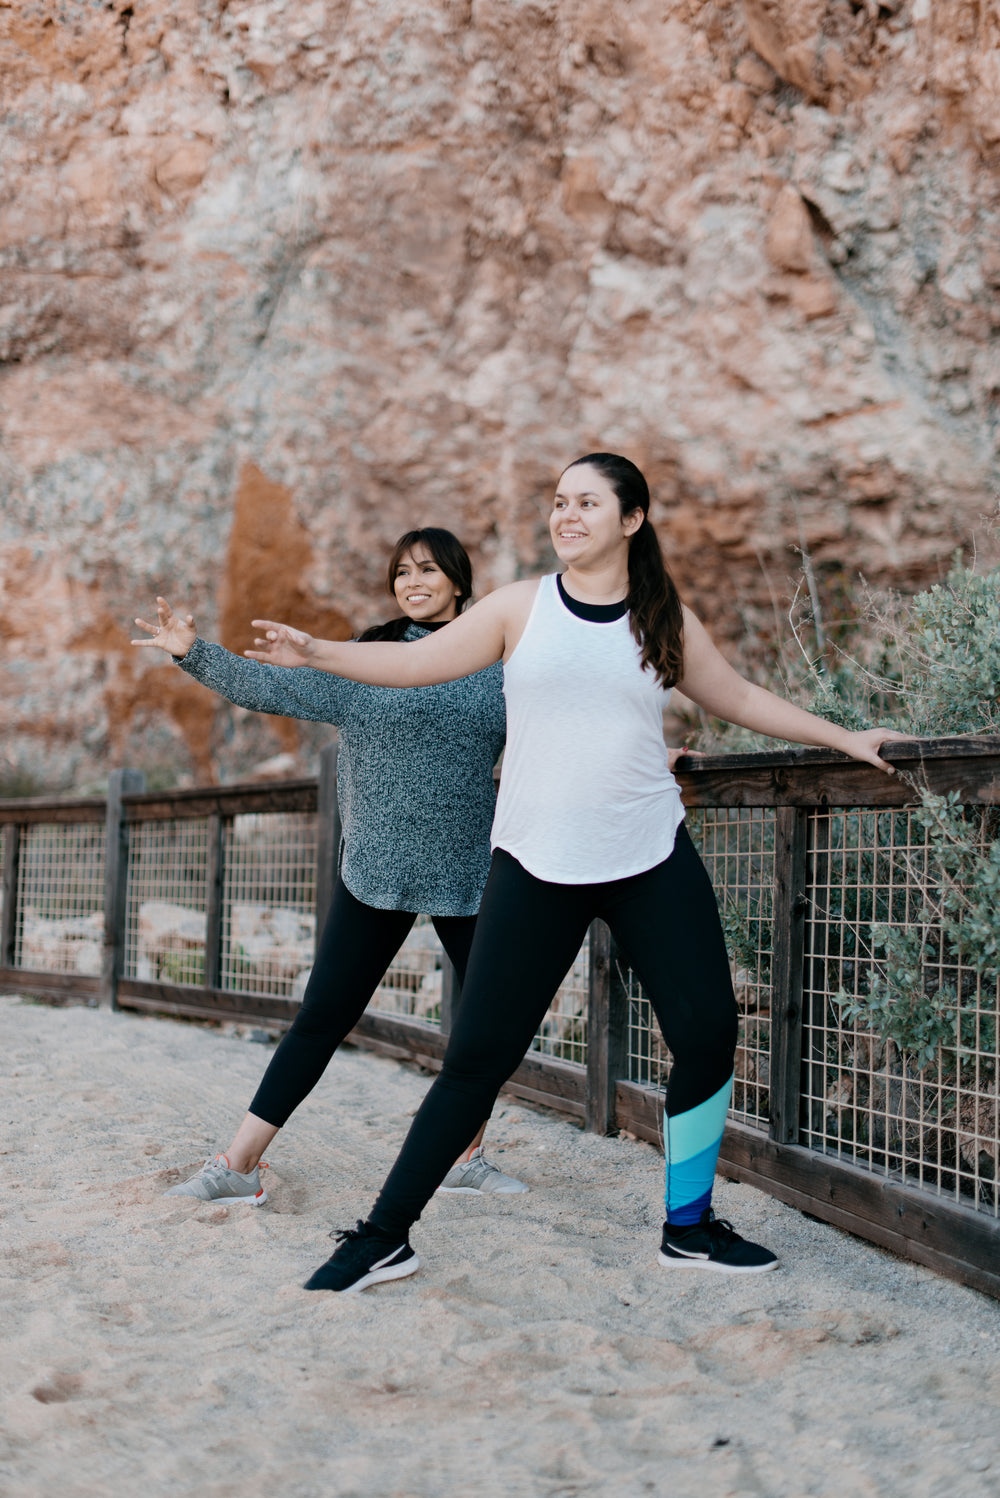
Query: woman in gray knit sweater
[415, 784]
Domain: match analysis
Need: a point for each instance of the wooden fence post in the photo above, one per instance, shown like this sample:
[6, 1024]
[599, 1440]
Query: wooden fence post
[120, 783]
[8, 921]
[214, 875]
[789, 905]
[607, 1031]
[329, 833]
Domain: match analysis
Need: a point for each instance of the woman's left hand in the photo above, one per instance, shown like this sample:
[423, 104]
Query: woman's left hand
[865, 744]
[673, 755]
[281, 645]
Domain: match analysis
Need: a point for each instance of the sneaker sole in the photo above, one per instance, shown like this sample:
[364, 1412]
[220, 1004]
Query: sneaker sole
[477, 1191]
[390, 1272]
[249, 1201]
[715, 1265]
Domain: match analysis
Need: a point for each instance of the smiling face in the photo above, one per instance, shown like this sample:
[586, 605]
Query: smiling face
[424, 593]
[586, 524]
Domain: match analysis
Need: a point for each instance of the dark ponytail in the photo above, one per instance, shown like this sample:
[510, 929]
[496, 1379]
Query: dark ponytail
[449, 554]
[655, 615]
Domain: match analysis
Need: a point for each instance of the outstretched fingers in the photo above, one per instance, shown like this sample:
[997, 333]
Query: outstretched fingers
[150, 630]
[275, 631]
[170, 631]
[279, 644]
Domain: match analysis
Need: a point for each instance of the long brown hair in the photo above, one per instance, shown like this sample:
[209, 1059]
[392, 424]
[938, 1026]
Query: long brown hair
[655, 615]
[449, 554]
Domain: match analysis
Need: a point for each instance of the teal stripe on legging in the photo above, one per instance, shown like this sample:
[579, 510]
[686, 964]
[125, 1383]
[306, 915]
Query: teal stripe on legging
[691, 1142]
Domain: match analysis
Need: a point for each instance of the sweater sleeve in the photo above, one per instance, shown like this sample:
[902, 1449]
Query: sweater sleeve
[290, 692]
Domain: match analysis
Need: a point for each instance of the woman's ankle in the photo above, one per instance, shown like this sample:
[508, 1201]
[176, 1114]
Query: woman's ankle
[242, 1162]
[251, 1139]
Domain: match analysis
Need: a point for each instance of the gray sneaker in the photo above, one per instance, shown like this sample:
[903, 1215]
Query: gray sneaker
[477, 1175]
[215, 1182]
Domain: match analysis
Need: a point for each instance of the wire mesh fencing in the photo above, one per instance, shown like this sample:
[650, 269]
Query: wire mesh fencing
[563, 1032]
[166, 902]
[414, 982]
[926, 1110]
[268, 914]
[59, 920]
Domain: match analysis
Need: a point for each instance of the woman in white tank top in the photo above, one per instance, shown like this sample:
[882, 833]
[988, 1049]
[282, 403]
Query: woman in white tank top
[588, 823]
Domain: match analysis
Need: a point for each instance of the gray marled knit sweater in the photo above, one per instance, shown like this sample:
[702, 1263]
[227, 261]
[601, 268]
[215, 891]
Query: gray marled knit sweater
[414, 775]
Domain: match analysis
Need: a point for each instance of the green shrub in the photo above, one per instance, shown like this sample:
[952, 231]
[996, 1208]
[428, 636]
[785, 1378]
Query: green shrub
[182, 967]
[956, 933]
[930, 667]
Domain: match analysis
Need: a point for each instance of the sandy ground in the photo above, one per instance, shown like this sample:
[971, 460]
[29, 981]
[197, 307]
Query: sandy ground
[153, 1346]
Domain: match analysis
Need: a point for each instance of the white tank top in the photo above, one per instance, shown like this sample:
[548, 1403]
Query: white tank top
[585, 791]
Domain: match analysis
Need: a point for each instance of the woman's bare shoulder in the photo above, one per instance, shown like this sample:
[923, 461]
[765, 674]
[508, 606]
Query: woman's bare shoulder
[513, 606]
[511, 600]
[526, 588]
[521, 592]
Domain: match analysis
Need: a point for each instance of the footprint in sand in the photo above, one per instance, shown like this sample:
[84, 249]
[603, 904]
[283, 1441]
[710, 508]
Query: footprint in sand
[57, 1388]
[145, 1188]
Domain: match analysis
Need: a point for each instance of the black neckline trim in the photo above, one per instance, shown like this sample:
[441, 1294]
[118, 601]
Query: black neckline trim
[594, 613]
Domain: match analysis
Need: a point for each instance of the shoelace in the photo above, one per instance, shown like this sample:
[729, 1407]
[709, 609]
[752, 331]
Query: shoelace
[719, 1228]
[348, 1235]
[481, 1163]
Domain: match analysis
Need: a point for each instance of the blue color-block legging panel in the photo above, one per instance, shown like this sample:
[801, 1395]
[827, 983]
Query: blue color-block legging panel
[691, 1144]
[666, 923]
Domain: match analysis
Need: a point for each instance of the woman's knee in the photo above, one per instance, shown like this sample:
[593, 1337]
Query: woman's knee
[709, 1033]
[314, 1025]
[472, 1071]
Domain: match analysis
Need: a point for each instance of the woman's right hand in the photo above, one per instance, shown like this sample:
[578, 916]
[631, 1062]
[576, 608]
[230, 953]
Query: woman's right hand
[281, 645]
[171, 633]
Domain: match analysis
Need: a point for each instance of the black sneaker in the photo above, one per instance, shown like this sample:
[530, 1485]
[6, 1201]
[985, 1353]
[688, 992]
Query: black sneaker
[713, 1244]
[363, 1260]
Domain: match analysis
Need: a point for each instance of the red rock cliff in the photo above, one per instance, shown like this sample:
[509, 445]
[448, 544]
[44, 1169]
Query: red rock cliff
[282, 278]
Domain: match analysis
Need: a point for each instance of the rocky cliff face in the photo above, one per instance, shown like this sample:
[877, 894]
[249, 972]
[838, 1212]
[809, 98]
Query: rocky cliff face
[282, 278]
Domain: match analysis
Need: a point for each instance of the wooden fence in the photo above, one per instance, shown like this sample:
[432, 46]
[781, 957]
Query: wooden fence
[826, 1117]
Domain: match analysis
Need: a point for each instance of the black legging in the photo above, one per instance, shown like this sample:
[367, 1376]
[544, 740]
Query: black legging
[357, 945]
[667, 927]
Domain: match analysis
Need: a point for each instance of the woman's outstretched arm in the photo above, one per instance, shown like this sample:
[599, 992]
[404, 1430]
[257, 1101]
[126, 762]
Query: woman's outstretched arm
[476, 639]
[312, 695]
[711, 682]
